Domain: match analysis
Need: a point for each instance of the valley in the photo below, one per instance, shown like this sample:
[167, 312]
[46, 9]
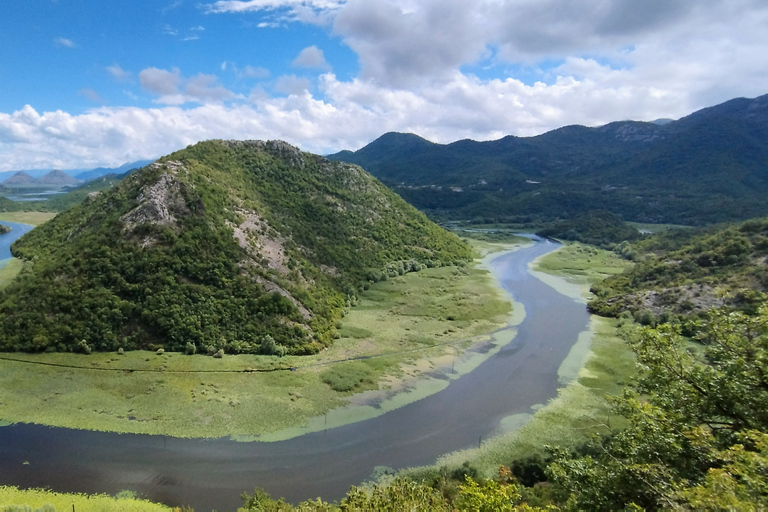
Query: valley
[523, 343]
[259, 312]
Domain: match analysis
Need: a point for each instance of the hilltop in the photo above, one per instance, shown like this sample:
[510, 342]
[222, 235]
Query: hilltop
[707, 167]
[241, 246]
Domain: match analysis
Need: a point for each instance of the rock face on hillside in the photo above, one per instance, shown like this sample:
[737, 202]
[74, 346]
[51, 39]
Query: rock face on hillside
[228, 245]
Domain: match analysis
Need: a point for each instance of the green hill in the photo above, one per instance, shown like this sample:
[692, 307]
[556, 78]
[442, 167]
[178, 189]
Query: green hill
[688, 272]
[242, 246]
[711, 166]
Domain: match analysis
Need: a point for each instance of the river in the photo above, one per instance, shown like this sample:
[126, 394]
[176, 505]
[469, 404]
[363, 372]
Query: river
[211, 474]
[8, 238]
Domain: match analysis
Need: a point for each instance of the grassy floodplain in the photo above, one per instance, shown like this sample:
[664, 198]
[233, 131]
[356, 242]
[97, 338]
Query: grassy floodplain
[31, 218]
[598, 366]
[411, 324]
[47, 501]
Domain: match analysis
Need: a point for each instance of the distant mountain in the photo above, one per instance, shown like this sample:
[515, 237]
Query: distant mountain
[707, 167]
[19, 178]
[241, 246]
[103, 171]
[57, 178]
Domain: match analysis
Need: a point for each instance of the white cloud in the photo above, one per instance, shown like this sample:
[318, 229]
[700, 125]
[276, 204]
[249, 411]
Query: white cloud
[291, 84]
[268, 5]
[160, 81]
[597, 61]
[350, 115]
[252, 72]
[91, 95]
[63, 41]
[118, 73]
[174, 89]
[311, 57]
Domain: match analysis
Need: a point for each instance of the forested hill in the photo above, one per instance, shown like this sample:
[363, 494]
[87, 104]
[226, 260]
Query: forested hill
[242, 246]
[710, 166]
[688, 272]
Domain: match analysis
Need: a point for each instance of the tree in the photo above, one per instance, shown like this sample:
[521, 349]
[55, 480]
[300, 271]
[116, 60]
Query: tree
[698, 419]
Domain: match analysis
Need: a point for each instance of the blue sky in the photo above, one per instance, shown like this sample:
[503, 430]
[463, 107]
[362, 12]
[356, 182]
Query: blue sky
[87, 83]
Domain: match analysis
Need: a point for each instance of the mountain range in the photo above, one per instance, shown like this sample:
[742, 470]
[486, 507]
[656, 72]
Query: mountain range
[707, 167]
[235, 246]
[78, 174]
[54, 178]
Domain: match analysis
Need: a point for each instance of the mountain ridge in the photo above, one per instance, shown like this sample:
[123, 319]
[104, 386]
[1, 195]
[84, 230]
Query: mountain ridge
[709, 166]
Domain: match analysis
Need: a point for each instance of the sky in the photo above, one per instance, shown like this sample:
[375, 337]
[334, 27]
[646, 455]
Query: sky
[88, 83]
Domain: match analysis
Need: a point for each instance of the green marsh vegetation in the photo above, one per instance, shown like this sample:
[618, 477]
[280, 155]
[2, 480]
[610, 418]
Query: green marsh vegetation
[581, 265]
[580, 409]
[13, 499]
[409, 323]
[33, 218]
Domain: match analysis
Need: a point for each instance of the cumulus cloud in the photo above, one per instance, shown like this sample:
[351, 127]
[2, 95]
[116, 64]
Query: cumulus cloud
[596, 61]
[291, 84]
[311, 57]
[350, 114]
[63, 41]
[160, 81]
[174, 89]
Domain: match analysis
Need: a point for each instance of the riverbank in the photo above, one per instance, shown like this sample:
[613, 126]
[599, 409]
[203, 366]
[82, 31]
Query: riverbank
[399, 335]
[598, 365]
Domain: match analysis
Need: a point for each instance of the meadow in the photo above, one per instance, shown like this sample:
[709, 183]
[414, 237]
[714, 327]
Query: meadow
[403, 327]
[42, 500]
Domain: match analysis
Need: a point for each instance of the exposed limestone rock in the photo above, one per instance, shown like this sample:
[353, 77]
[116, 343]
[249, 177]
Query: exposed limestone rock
[160, 203]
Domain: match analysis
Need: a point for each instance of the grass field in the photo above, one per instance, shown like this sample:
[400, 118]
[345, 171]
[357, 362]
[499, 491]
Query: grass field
[579, 265]
[9, 268]
[48, 501]
[598, 366]
[31, 218]
[408, 324]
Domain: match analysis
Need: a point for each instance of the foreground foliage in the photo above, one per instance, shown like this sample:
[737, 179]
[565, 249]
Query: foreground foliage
[492, 495]
[241, 247]
[698, 424]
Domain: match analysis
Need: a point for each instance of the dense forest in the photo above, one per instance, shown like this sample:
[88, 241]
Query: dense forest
[600, 228]
[224, 247]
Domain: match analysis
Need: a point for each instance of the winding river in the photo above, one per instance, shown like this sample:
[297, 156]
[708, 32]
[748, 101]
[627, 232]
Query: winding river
[208, 474]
